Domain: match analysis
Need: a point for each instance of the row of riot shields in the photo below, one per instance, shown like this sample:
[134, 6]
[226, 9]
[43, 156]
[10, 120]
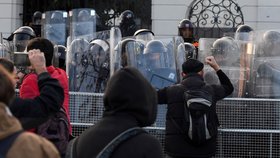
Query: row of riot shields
[250, 60]
[88, 61]
[58, 26]
[155, 59]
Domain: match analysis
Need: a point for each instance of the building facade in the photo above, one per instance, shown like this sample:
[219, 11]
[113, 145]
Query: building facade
[165, 14]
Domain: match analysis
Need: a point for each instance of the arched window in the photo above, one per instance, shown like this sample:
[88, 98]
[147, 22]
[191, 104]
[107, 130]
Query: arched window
[214, 18]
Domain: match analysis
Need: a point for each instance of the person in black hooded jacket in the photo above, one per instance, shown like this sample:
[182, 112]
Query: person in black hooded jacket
[33, 112]
[176, 146]
[129, 101]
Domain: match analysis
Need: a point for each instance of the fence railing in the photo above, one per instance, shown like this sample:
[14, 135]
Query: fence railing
[249, 127]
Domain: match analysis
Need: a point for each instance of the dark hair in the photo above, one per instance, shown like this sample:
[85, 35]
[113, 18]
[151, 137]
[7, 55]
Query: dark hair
[44, 45]
[192, 66]
[7, 91]
[7, 64]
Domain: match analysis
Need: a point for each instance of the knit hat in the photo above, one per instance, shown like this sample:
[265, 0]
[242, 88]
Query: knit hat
[192, 66]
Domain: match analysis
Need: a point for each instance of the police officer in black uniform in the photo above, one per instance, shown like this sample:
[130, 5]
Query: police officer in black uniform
[127, 24]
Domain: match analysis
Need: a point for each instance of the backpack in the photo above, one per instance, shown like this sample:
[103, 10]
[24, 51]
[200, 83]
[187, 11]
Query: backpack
[107, 151]
[199, 116]
[6, 143]
[56, 130]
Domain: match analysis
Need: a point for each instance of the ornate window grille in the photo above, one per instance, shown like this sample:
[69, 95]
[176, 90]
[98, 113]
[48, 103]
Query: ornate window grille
[214, 18]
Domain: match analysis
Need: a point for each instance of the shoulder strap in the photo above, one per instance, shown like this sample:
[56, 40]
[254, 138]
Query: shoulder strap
[71, 149]
[7, 142]
[109, 148]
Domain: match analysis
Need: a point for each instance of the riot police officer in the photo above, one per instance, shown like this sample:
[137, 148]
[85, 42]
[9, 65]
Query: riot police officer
[190, 51]
[36, 23]
[61, 52]
[127, 24]
[20, 37]
[158, 73]
[144, 35]
[243, 32]
[186, 30]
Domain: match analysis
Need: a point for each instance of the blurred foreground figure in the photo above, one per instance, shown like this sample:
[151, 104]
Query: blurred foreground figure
[14, 143]
[130, 102]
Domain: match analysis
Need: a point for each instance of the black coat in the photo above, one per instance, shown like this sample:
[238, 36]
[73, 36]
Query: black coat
[129, 101]
[175, 143]
[33, 112]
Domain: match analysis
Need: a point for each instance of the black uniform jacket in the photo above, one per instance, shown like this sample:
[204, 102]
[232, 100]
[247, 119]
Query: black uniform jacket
[33, 112]
[175, 142]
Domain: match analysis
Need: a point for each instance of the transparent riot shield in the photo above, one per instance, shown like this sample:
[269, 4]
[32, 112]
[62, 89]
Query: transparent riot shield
[54, 26]
[144, 36]
[227, 55]
[266, 65]
[55, 59]
[246, 46]
[159, 62]
[115, 38]
[4, 49]
[82, 23]
[90, 63]
[205, 46]
[76, 64]
[60, 54]
[181, 56]
[18, 49]
[99, 52]
[128, 53]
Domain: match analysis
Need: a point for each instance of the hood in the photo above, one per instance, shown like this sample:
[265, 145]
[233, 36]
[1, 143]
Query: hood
[128, 92]
[8, 123]
[193, 81]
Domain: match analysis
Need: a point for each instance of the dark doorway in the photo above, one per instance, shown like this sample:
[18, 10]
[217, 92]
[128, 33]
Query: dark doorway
[106, 9]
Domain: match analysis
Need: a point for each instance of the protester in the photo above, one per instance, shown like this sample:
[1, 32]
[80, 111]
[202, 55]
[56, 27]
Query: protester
[14, 143]
[9, 66]
[29, 87]
[56, 128]
[129, 101]
[32, 112]
[176, 144]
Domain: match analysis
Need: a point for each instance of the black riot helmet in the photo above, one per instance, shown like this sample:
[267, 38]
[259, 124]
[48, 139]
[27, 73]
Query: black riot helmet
[23, 30]
[61, 52]
[154, 54]
[21, 36]
[226, 51]
[37, 17]
[144, 35]
[83, 16]
[271, 43]
[244, 28]
[127, 23]
[185, 29]
[243, 32]
[57, 17]
[190, 51]
[126, 16]
[36, 23]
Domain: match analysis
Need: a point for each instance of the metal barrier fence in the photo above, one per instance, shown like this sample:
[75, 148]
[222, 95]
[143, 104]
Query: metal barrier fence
[249, 127]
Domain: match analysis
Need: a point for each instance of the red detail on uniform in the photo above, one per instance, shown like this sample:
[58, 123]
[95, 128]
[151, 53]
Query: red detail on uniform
[196, 44]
